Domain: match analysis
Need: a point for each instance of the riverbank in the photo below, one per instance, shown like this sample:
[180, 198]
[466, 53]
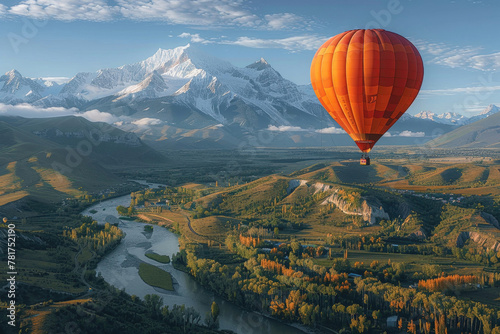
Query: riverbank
[120, 269]
[178, 264]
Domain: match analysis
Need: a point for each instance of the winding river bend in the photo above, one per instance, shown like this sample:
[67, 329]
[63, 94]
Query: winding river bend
[120, 268]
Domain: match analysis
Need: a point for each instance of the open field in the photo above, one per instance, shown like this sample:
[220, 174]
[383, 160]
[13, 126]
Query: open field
[214, 227]
[12, 197]
[36, 317]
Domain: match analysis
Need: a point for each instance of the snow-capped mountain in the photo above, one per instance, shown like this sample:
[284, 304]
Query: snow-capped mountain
[182, 78]
[184, 95]
[451, 118]
[152, 86]
[18, 89]
[198, 81]
[488, 111]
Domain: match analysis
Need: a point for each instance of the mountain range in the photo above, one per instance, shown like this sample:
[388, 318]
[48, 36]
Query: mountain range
[454, 118]
[445, 118]
[184, 98]
[182, 77]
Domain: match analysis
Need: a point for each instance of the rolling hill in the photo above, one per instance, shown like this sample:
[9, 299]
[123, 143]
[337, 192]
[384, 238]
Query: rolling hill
[340, 198]
[49, 159]
[101, 142]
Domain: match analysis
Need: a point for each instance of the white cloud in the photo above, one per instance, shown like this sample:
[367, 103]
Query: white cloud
[3, 10]
[144, 122]
[125, 122]
[57, 80]
[195, 38]
[331, 130]
[283, 21]
[461, 90]
[289, 128]
[285, 128]
[459, 57]
[29, 111]
[408, 133]
[68, 10]
[477, 108]
[98, 116]
[483, 62]
[200, 13]
[387, 134]
[295, 43]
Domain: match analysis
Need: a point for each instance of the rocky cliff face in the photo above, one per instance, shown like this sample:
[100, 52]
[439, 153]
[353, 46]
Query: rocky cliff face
[481, 239]
[321, 187]
[486, 239]
[294, 184]
[418, 234]
[369, 211]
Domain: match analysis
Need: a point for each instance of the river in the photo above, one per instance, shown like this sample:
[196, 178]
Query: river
[120, 268]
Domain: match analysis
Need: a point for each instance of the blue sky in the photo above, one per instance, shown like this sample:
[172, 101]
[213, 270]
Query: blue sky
[458, 39]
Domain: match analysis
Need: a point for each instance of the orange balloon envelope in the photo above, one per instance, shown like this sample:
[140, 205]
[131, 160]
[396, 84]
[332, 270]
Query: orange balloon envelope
[366, 79]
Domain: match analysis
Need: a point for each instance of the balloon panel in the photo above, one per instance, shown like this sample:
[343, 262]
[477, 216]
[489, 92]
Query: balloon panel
[366, 80]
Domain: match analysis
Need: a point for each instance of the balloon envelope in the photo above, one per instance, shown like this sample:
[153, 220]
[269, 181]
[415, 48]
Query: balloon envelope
[366, 79]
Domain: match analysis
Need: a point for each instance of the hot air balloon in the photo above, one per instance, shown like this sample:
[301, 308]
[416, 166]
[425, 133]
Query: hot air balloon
[366, 79]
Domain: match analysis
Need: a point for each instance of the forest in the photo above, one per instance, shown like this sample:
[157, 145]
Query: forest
[286, 283]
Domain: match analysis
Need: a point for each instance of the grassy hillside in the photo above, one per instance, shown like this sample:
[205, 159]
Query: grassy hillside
[49, 159]
[483, 133]
[41, 177]
[417, 198]
[103, 143]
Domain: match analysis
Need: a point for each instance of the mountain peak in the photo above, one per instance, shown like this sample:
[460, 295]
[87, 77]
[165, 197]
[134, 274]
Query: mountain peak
[259, 65]
[425, 115]
[178, 49]
[20, 88]
[152, 85]
[13, 73]
[491, 109]
[445, 118]
[449, 115]
[488, 111]
[184, 61]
